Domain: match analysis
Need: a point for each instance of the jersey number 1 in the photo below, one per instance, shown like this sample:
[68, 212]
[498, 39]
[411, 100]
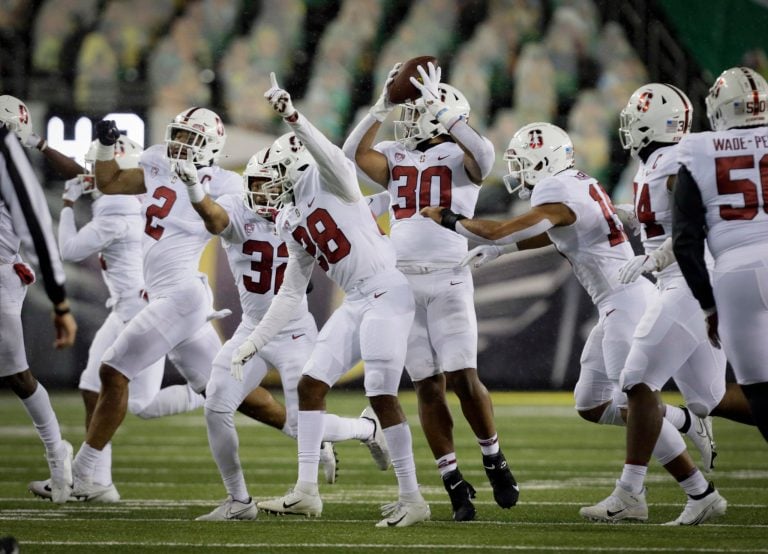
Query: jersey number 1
[598, 194]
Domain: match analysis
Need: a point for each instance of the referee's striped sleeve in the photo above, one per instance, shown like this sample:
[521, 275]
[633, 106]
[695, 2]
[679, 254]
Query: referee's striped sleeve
[24, 196]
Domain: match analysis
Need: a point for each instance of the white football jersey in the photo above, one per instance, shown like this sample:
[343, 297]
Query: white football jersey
[731, 169]
[9, 241]
[257, 257]
[342, 237]
[436, 177]
[595, 243]
[120, 258]
[174, 234]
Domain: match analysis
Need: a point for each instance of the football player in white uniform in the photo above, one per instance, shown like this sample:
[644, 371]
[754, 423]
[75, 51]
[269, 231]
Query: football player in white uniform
[24, 219]
[325, 220]
[176, 319]
[438, 159]
[114, 233]
[720, 195]
[572, 211]
[258, 258]
[671, 338]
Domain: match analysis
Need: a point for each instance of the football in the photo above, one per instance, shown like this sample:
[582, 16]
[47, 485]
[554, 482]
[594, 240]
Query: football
[401, 90]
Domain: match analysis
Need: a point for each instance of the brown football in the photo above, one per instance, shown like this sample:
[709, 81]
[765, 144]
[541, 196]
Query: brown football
[401, 90]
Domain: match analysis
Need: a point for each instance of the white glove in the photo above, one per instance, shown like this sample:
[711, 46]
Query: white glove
[481, 255]
[635, 267]
[244, 352]
[626, 213]
[279, 99]
[73, 189]
[380, 110]
[187, 172]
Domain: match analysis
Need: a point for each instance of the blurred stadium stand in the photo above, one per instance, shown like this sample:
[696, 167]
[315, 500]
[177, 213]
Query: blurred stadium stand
[571, 62]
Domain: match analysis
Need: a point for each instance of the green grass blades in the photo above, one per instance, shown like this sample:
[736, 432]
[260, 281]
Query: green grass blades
[166, 476]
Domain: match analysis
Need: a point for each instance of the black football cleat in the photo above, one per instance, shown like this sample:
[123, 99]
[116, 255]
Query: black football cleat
[461, 494]
[505, 488]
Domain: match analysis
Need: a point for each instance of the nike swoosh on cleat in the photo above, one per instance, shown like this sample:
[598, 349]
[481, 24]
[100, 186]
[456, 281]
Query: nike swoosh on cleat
[230, 513]
[377, 294]
[294, 337]
[456, 283]
[394, 523]
[453, 487]
[489, 467]
[291, 505]
[516, 487]
[611, 514]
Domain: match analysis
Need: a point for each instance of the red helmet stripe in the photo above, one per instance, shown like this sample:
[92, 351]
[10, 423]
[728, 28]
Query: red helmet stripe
[687, 105]
[189, 114]
[755, 93]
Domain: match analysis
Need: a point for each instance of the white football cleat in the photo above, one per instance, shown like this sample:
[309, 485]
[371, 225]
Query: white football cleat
[295, 502]
[377, 443]
[404, 514]
[232, 510]
[43, 490]
[329, 460]
[621, 504]
[700, 432]
[699, 510]
[85, 490]
[60, 465]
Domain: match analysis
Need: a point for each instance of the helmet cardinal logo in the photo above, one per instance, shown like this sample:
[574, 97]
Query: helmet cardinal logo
[535, 138]
[717, 87]
[23, 114]
[219, 127]
[644, 101]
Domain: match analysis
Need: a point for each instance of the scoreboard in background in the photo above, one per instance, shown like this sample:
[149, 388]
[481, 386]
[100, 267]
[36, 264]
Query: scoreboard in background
[73, 137]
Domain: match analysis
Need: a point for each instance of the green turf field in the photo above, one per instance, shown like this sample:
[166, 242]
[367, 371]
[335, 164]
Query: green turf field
[165, 473]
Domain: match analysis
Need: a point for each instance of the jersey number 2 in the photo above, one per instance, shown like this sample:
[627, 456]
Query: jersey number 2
[155, 230]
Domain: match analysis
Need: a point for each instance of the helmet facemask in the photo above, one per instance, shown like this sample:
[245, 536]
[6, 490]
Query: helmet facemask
[654, 113]
[417, 124]
[536, 151]
[196, 134]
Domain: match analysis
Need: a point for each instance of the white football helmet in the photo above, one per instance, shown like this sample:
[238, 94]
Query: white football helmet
[655, 113]
[259, 191]
[15, 115]
[536, 151]
[416, 124]
[739, 98]
[287, 158]
[198, 130]
[127, 154]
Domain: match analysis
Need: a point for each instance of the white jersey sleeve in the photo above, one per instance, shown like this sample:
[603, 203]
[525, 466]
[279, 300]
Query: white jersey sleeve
[96, 235]
[289, 298]
[338, 173]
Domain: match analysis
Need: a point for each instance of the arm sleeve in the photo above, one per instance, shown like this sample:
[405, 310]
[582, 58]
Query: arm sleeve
[378, 203]
[338, 173]
[29, 211]
[688, 234]
[284, 305]
[478, 146]
[95, 236]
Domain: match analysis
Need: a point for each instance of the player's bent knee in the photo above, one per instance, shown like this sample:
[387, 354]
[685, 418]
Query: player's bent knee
[110, 377]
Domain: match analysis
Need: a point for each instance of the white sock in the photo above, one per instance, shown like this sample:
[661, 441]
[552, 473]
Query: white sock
[224, 443]
[489, 446]
[675, 415]
[176, 399]
[311, 425]
[85, 461]
[102, 473]
[669, 445]
[633, 477]
[345, 428]
[694, 485]
[400, 445]
[447, 463]
[38, 406]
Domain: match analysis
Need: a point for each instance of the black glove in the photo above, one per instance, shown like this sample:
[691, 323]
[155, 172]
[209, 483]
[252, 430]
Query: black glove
[107, 132]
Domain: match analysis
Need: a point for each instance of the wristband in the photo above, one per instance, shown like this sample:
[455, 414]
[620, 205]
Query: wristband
[104, 152]
[61, 311]
[449, 219]
[196, 193]
[292, 118]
